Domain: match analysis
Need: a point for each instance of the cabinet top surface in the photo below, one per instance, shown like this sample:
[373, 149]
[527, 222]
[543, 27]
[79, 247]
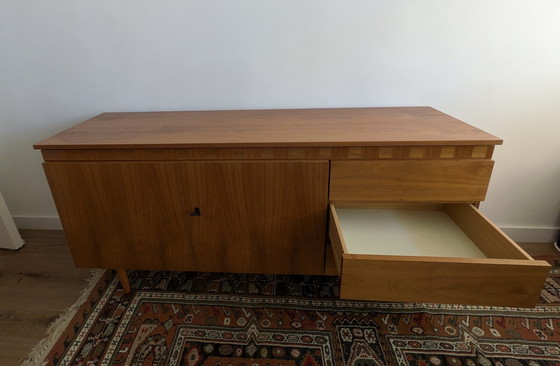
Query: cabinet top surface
[396, 126]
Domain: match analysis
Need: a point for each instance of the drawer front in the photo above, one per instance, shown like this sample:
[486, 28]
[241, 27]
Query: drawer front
[410, 181]
[513, 280]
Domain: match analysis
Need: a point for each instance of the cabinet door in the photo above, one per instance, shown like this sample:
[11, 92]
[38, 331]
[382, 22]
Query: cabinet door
[244, 216]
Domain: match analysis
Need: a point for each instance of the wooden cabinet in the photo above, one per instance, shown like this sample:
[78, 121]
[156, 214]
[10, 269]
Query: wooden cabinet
[258, 191]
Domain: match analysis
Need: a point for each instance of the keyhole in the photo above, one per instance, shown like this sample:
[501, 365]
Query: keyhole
[196, 212]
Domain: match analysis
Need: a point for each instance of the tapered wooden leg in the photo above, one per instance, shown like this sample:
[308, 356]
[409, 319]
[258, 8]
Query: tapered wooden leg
[123, 278]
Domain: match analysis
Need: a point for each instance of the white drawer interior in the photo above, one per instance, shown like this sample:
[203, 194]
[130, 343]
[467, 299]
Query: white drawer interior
[429, 233]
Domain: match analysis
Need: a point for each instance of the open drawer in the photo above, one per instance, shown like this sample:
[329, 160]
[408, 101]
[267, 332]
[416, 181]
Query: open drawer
[430, 253]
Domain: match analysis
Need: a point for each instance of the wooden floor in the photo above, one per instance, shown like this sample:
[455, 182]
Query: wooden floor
[39, 281]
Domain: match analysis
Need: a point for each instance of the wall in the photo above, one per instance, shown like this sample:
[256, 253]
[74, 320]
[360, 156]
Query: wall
[494, 64]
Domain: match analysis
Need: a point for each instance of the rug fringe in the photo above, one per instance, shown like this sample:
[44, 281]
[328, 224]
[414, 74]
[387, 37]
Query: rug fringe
[36, 357]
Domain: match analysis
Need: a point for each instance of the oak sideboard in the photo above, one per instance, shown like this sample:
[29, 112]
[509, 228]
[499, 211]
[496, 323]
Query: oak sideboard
[385, 198]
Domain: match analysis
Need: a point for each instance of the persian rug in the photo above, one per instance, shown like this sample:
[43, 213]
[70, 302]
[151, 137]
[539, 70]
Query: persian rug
[209, 319]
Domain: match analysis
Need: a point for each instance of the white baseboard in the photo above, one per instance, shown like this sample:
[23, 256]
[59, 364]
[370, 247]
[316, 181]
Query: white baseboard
[532, 234]
[38, 222]
[517, 233]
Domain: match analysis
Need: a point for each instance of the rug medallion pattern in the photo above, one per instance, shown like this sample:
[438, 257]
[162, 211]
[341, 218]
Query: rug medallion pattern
[183, 318]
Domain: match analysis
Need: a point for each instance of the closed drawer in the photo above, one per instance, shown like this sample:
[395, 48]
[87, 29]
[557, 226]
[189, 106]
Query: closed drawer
[410, 180]
[431, 253]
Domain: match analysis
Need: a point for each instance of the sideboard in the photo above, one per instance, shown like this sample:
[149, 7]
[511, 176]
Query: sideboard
[386, 198]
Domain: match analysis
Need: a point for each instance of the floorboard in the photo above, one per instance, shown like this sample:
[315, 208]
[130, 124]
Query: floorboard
[37, 283]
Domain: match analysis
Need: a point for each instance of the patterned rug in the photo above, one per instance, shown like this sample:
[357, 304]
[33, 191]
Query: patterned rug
[184, 318]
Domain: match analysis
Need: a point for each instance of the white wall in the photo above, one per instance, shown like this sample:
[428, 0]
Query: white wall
[494, 64]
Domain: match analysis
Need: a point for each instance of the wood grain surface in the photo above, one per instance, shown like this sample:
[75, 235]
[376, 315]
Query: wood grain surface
[336, 239]
[410, 181]
[400, 126]
[254, 217]
[493, 242]
[494, 282]
[37, 283]
[510, 277]
[277, 153]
